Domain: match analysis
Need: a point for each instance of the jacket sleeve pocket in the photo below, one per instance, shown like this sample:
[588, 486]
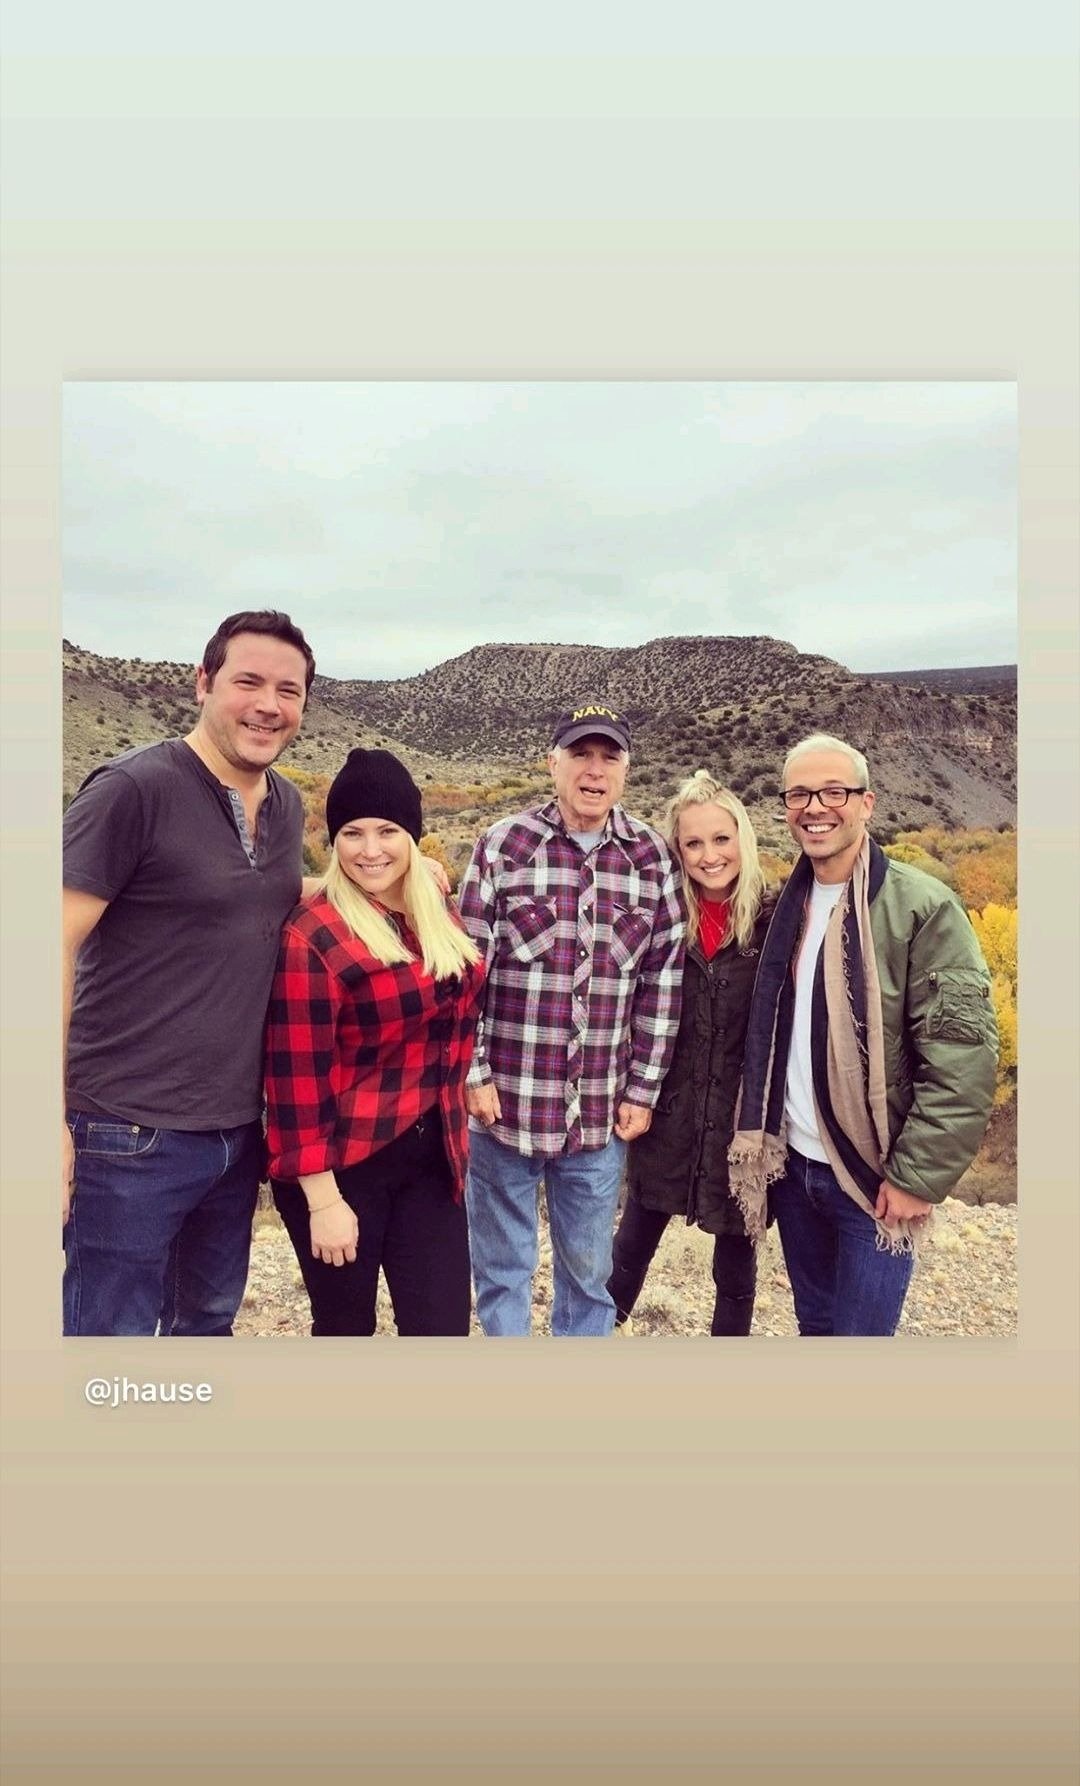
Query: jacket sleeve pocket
[959, 1008]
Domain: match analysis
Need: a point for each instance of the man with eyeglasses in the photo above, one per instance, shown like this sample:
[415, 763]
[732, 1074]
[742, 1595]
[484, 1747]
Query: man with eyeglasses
[870, 1055]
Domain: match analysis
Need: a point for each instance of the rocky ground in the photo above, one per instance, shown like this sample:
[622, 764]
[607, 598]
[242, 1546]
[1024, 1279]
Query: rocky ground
[964, 1283]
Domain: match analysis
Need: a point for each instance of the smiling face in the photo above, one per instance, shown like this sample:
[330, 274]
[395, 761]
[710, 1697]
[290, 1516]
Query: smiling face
[589, 778]
[830, 837]
[375, 855]
[707, 840]
[251, 708]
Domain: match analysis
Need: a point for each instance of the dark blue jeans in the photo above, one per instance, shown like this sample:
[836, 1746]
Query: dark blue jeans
[842, 1281]
[160, 1227]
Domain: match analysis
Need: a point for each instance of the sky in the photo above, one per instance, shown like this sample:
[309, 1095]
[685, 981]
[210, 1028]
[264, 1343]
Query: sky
[400, 524]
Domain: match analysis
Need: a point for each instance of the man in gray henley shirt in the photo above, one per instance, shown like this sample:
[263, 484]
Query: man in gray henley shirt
[181, 862]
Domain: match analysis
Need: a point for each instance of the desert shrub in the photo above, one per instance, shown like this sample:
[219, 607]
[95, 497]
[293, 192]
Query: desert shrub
[776, 869]
[432, 845]
[446, 797]
[309, 782]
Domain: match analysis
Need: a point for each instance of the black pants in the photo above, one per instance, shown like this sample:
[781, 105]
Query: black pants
[734, 1269]
[409, 1225]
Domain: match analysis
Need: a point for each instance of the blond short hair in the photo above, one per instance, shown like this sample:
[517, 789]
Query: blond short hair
[825, 741]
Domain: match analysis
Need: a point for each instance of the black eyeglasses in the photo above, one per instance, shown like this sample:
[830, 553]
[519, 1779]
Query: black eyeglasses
[796, 798]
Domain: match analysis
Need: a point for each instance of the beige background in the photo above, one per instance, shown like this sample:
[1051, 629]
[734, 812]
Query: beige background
[531, 1556]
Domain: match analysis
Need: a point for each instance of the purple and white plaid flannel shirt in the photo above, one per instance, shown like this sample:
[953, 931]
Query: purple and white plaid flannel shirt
[584, 959]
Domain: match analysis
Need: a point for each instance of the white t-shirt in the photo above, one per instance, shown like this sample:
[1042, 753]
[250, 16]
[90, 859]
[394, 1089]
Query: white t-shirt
[802, 1125]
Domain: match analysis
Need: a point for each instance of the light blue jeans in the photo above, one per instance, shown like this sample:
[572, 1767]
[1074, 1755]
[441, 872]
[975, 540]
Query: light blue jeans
[582, 1191]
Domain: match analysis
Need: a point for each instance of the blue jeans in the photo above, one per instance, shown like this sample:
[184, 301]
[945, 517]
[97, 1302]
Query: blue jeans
[582, 1192]
[842, 1281]
[160, 1227]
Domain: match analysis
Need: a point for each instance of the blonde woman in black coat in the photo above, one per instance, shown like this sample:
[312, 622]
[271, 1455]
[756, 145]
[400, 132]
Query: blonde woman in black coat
[679, 1167]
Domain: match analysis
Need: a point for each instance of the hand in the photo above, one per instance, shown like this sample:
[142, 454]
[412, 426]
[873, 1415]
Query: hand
[632, 1120]
[438, 875]
[67, 1172]
[894, 1206]
[334, 1234]
[482, 1101]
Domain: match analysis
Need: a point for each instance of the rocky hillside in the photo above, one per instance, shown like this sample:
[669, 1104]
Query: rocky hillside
[942, 745]
[993, 677]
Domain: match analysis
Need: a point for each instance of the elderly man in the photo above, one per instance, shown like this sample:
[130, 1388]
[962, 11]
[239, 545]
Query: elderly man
[577, 909]
[181, 862]
[870, 1055]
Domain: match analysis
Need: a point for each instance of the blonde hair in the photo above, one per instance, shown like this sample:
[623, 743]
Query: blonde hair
[703, 790]
[826, 741]
[445, 949]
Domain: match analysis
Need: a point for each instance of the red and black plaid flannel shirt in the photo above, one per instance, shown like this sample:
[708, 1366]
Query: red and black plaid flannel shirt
[356, 1052]
[584, 956]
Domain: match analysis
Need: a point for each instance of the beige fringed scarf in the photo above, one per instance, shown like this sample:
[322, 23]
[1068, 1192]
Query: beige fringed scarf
[847, 1049]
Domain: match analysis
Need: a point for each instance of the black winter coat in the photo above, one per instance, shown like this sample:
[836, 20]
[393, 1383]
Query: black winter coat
[679, 1165]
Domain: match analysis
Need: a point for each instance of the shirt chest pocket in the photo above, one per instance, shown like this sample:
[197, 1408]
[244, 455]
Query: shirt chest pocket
[628, 930]
[527, 928]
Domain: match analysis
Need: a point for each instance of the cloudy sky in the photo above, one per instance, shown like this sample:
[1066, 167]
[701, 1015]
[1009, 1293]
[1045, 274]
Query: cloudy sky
[400, 524]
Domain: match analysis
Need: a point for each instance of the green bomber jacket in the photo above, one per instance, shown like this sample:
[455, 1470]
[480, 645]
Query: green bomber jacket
[939, 1030]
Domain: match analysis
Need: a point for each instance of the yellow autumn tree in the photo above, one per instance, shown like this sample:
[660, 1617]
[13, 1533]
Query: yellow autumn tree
[979, 864]
[987, 875]
[919, 857]
[996, 928]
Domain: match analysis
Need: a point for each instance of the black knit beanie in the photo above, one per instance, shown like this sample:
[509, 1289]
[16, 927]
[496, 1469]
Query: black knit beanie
[373, 785]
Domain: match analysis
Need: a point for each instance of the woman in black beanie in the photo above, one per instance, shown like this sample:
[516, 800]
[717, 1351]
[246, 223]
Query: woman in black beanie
[369, 1039]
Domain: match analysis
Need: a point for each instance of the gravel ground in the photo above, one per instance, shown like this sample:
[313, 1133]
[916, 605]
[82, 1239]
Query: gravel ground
[964, 1283]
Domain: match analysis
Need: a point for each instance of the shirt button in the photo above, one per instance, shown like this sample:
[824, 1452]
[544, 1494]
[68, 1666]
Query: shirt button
[583, 953]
